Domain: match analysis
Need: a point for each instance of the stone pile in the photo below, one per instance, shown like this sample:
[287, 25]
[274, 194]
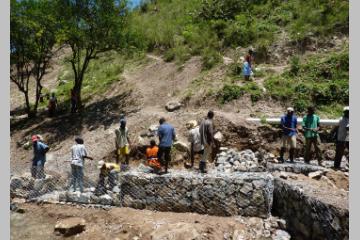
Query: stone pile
[231, 160]
[27, 187]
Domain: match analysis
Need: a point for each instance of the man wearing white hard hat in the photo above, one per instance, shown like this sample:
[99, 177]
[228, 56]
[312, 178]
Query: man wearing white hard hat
[342, 137]
[289, 126]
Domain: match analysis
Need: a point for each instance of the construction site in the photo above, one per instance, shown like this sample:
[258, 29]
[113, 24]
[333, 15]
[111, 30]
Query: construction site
[247, 193]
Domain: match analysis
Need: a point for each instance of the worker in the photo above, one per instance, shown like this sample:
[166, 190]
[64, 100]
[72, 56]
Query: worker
[152, 157]
[39, 159]
[207, 139]
[78, 156]
[109, 171]
[52, 105]
[289, 126]
[246, 69]
[311, 127]
[342, 137]
[166, 133]
[195, 142]
[122, 142]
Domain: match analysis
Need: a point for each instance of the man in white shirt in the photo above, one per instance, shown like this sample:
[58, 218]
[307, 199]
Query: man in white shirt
[342, 137]
[195, 142]
[78, 154]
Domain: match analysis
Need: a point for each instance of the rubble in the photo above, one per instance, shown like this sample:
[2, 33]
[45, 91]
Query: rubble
[172, 106]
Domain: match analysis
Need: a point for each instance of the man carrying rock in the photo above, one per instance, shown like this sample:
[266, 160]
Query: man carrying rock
[289, 126]
[195, 142]
[38, 162]
[122, 143]
[167, 135]
[207, 139]
[78, 155]
[109, 171]
[342, 137]
[311, 126]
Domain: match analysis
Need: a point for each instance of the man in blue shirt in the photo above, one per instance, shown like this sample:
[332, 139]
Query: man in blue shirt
[166, 134]
[289, 126]
[38, 162]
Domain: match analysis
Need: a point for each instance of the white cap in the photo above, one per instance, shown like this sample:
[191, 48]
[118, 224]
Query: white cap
[290, 109]
[346, 108]
[101, 164]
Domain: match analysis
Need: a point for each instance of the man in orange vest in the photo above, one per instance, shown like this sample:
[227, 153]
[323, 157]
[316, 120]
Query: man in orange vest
[152, 156]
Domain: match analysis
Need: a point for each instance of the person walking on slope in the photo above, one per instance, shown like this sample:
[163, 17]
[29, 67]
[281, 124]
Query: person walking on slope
[342, 137]
[122, 143]
[289, 126]
[246, 70]
[52, 105]
[167, 135]
[195, 142]
[311, 127]
[207, 139]
[78, 155]
[39, 159]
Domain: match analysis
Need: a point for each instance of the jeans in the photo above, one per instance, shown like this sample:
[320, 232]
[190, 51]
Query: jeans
[77, 174]
[340, 149]
[37, 170]
[312, 141]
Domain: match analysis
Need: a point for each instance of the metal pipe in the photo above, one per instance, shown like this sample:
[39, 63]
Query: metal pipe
[324, 122]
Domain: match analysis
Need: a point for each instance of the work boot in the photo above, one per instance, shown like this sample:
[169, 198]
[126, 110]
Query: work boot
[282, 152]
[291, 153]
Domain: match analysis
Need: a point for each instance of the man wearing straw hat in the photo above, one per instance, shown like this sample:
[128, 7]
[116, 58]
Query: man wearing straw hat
[195, 142]
[109, 170]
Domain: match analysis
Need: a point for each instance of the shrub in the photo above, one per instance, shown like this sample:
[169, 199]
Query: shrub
[210, 58]
[230, 92]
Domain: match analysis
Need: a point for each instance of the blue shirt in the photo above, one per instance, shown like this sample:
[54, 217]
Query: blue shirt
[166, 134]
[289, 122]
[39, 152]
[246, 69]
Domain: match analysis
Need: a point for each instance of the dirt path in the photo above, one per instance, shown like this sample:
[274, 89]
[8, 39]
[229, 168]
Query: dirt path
[37, 223]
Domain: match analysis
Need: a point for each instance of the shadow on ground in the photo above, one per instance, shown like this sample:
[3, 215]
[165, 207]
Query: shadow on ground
[97, 114]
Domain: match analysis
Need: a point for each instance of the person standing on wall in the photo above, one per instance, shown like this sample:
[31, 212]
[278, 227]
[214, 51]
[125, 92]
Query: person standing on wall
[311, 127]
[78, 155]
[289, 126]
[166, 133]
[195, 142]
[342, 137]
[39, 159]
[122, 142]
[207, 139]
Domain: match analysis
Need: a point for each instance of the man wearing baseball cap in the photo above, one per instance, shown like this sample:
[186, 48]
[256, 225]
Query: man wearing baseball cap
[342, 137]
[38, 162]
[289, 126]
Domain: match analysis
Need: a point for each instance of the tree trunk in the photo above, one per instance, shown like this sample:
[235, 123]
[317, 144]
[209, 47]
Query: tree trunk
[28, 107]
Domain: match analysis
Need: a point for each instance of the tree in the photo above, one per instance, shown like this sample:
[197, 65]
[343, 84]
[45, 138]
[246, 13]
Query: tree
[90, 27]
[32, 38]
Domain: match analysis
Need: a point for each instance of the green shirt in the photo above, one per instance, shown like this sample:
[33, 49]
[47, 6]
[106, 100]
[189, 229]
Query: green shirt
[311, 121]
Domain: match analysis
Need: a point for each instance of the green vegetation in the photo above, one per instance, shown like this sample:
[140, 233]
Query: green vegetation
[232, 91]
[201, 27]
[101, 73]
[320, 80]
